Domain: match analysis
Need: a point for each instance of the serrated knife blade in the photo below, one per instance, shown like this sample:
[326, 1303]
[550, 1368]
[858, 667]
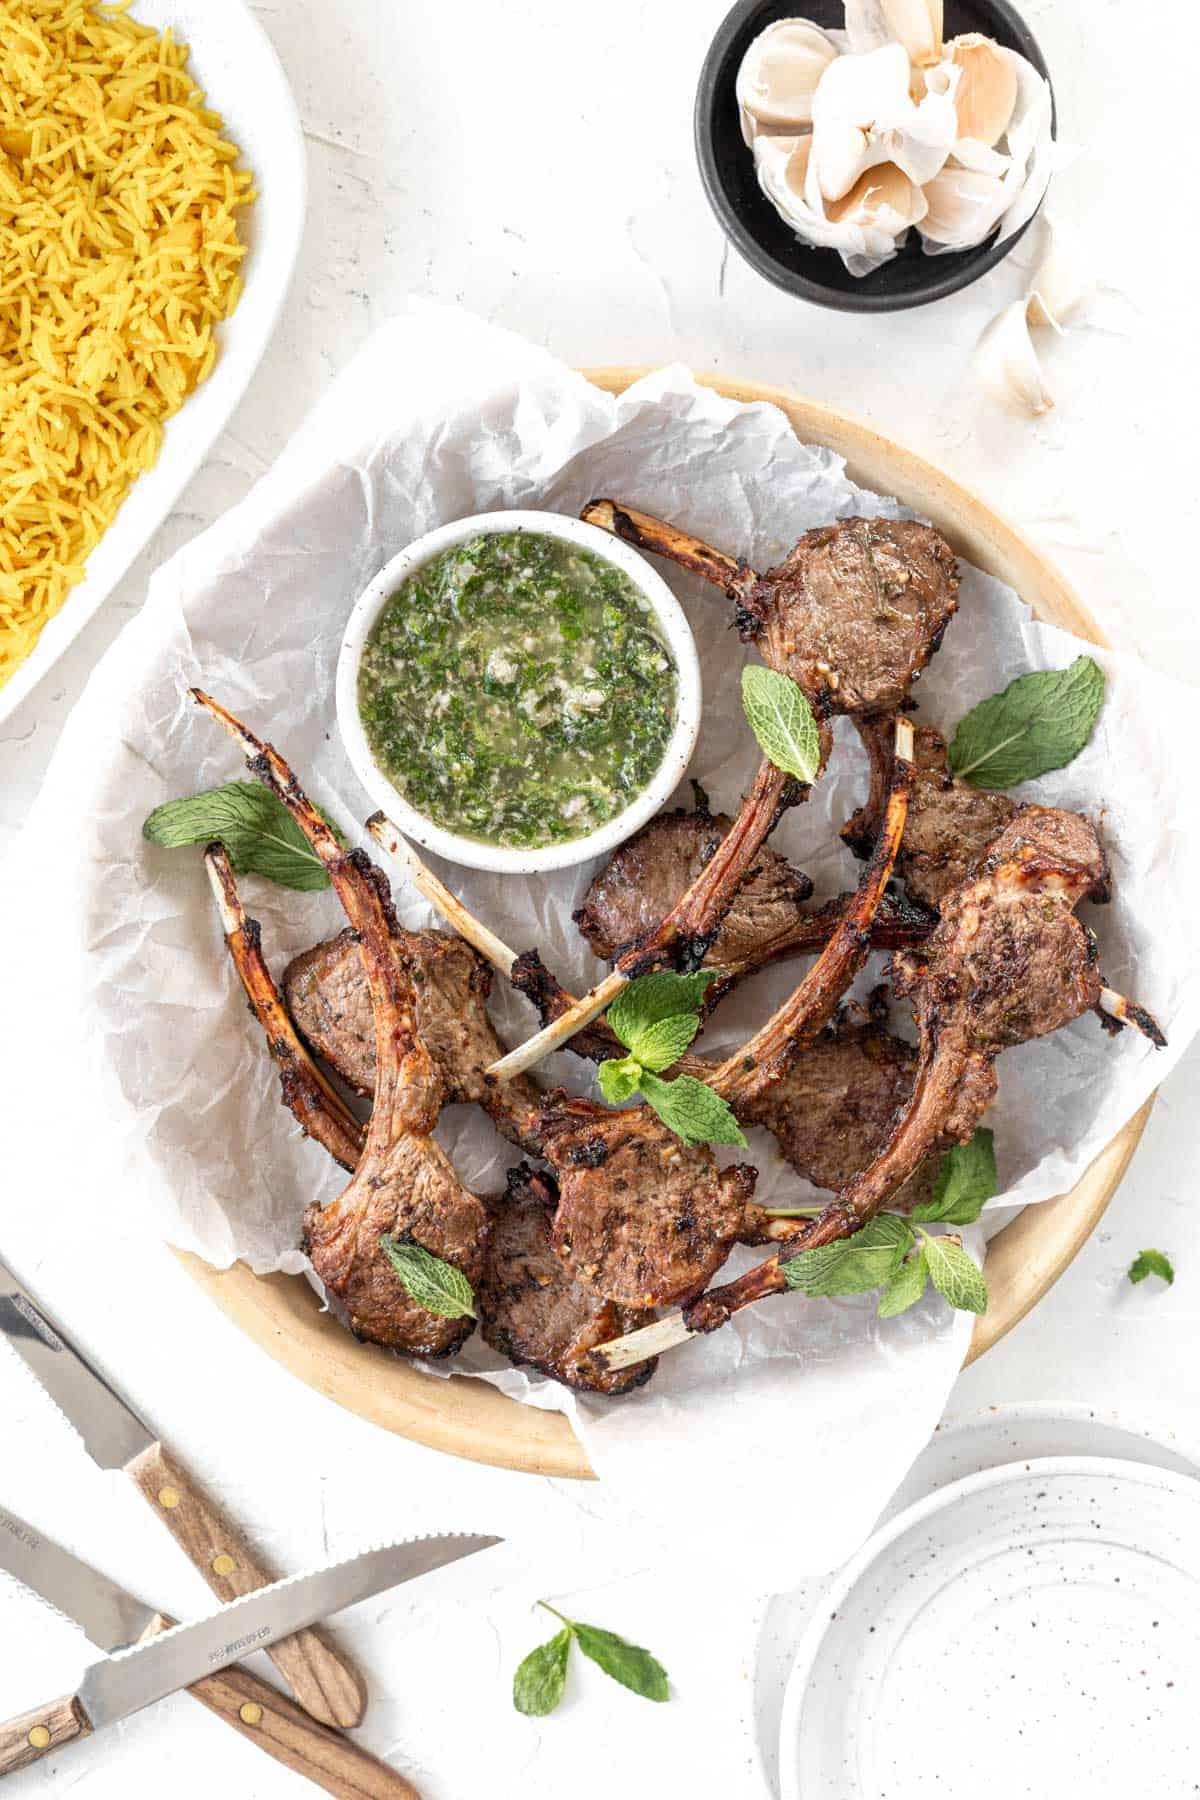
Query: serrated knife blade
[111, 1430]
[111, 1616]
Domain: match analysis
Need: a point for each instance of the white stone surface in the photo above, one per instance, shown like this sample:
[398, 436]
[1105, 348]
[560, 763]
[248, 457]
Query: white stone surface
[534, 162]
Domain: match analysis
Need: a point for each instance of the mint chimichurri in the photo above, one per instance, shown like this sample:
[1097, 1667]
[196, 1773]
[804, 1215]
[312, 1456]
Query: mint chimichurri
[518, 689]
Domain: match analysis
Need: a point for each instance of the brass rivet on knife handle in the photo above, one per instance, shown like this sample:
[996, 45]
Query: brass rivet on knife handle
[250, 1712]
[323, 1681]
[35, 1734]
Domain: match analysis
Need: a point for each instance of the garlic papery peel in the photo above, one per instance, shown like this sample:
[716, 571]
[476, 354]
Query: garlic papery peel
[962, 208]
[1030, 143]
[917, 24]
[1062, 286]
[865, 241]
[986, 95]
[866, 26]
[864, 115]
[1006, 364]
[779, 75]
[969, 153]
[885, 197]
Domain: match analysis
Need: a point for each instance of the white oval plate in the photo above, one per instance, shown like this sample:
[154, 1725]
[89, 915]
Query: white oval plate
[1029, 1630]
[235, 63]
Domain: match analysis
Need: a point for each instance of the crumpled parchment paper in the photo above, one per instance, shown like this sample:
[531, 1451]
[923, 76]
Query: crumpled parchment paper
[783, 1434]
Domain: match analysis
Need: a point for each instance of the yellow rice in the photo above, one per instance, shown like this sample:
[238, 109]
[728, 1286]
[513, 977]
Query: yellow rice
[119, 254]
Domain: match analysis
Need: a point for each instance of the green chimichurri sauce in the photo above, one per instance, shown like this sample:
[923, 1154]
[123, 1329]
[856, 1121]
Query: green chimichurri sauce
[518, 690]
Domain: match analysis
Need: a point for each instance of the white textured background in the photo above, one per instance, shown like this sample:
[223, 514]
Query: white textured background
[534, 162]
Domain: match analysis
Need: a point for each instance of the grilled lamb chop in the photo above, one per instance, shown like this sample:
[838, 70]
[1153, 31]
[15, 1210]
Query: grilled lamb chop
[1008, 962]
[330, 1001]
[530, 1309]
[404, 1185]
[852, 614]
[950, 823]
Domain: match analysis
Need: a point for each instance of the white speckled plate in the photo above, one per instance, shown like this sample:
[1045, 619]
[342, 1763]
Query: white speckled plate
[235, 63]
[1029, 1630]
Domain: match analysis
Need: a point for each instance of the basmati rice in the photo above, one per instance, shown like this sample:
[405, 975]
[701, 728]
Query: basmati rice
[119, 255]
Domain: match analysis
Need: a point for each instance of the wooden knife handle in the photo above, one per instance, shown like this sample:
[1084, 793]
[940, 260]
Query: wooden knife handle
[35, 1734]
[325, 1683]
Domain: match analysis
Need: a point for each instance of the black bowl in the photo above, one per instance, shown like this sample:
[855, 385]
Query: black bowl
[751, 223]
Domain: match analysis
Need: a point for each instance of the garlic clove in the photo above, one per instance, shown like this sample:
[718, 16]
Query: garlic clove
[1006, 364]
[779, 74]
[917, 24]
[863, 115]
[969, 153]
[866, 27]
[964, 205]
[786, 176]
[884, 196]
[987, 90]
[1062, 286]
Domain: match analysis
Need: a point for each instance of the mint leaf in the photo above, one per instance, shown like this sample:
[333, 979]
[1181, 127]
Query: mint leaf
[782, 720]
[966, 1178]
[646, 999]
[619, 1079]
[627, 1663]
[539, 1680]
[1151, 1262]
[906, 1286]
[435, 1285]
[665, 1041]
[692, 1110]
[1038, 723]
[259, 833]
[955, 1276]
[869, 1259]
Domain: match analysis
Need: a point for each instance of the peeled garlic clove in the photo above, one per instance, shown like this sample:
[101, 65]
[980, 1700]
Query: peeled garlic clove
[963, 207]
[1062, 286]
[917, 24]
[987, 88]
[779, 75]
[883, 197]
[863, 115]
[1007, 367]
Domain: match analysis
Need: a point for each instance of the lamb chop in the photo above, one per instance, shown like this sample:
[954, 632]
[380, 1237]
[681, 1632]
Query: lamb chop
[950, 823]
[529, 1308]
[1008, 962]
[404, 1185]
[852, 616]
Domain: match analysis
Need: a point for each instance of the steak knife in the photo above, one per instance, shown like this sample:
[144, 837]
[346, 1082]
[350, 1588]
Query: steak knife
[123, 1683]
[324, 1681]
[114, 1620]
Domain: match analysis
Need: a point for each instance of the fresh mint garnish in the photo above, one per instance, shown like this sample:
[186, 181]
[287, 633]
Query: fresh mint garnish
[259, 833]
[435, 1285]
[965, 1180]
[539, 1680]
[656, 1017]
[782, 720]
[1151, 1262]
[1037, 723]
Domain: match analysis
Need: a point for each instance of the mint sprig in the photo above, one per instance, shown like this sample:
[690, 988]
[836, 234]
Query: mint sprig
[1039, 722]
[782, 720]
[656, 1017]
[259, 833]
[965, 1180]
[891, 1254]
[541, 1677]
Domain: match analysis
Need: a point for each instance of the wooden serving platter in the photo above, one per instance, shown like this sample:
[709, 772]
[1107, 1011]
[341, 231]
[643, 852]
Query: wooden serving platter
[473, 1419]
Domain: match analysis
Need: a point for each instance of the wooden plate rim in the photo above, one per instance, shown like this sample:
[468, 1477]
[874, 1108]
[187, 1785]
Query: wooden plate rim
[472, 1419]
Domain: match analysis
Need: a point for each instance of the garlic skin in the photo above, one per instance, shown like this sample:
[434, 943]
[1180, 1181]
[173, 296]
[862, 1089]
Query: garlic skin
[779, 74]
[1063, 286]
[986, 96]
[865, 235]
[863, 115]
[914, 24]
[1030, 143]
[963, 208]
[883, 197]
[1006, 365]
[969, 153]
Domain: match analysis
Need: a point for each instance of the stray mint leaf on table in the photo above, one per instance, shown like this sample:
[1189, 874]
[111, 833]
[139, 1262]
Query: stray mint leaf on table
[965, 1179]
[869, 1259]
[955, 1276]
[1151, 1262]
[1039, 722]
[436, 1285]
[782, 720]
[539, 1681]
[627, 1663]
[646, 999]
[692, 1110]
[906, 1286]
[258, 832]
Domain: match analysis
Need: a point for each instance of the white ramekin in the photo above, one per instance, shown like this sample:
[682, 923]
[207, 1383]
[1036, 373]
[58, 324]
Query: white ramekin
[470, 851]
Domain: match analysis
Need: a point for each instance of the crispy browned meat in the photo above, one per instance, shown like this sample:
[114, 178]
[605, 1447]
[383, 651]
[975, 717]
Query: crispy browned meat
[1008, 962]
[404, 1186]
[950, 823]
[330, 1001]
[852, 614]
[642, 1218]
[530, 1308]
